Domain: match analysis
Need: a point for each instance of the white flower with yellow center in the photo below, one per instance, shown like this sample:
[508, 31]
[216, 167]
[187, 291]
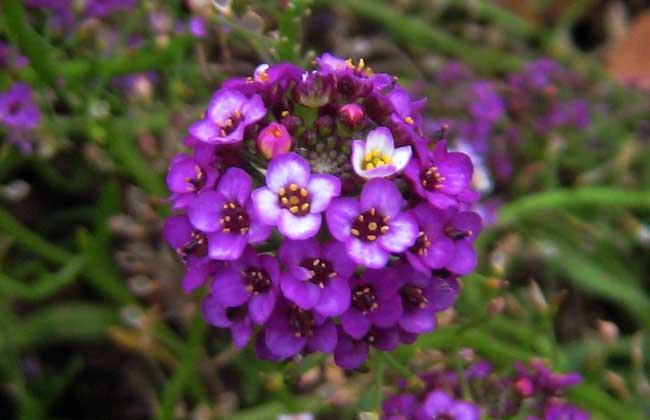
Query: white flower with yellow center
[377, 157]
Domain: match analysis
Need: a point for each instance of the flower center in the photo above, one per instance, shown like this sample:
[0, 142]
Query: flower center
[236, 313]
[370, 225]
[301, 322]
[364, 299]
[422, 244]
[231, 123]
[374, 159]
[445, 416]
[295, 199]
[360, 69]
[14, 108]
[413, 298]
[441, 273]
[431, 179]
[257, 281]
[235, 218]
[197, 246]
[457, 234]
[198, 181]
[321, 271]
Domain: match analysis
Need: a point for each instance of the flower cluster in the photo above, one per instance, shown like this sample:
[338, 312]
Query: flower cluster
[19, 114]
[322, 215]
[532, 392]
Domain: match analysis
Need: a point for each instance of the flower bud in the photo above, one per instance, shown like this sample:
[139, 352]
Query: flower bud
[524, 387]
[324, 125]
[292, 123]
[274, 140]
[352, 116]
[315, 89]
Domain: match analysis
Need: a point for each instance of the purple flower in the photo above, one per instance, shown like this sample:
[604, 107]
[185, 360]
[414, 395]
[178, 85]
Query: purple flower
[104, 8]
[294, 198]
[274, 140]
[432, 249]
[373, 226]
[375, 301]
[422, 296]
[350, 352]
[197, 27]
[192, 246]
[228, 114]
[17, 109]
[227, 216]
[254, 280]
[400, 407]
[317, 275]
[460, 228]
[441, 177]
[292, 329]
[487, 104]
[187, 177]
[439, 405]
[546, 381]
[237, 318]
[353, 80]
[406, 118]
[377, 157]
[559, 411]
[265, 78]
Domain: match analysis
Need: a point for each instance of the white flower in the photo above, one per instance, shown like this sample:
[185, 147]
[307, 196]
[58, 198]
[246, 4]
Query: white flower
[377, 156]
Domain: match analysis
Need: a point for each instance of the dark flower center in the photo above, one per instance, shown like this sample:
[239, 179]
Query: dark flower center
[236, 313]
[457, 234]
[321, 271]
[301, 322]
[235, 218]
[257, 280]
[231, 123]
[364, 299]
[197, 246]
[198, 181]
[445, 416]
[421, 245]
[14, 108]
[413, 298]
[441, 273]
[431, 179]
[370, 225]
[295, 199]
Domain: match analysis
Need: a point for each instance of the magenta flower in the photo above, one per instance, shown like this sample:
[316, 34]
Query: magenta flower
[560, 411]
[17, 108]
[294, 198]
[353, 79]
[227, 216]
[274, 140]
[439, 405]
[317, 276]
[237, 318]
[228, 114]
[375, 301]
[291, 329]
[373, 226]
[350, 352]
[187, 177]
[254, 280]
[192, 246]
[442, 178]
[432, 249]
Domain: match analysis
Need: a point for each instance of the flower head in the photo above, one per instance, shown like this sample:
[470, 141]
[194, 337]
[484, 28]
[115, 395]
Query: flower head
[377, 156]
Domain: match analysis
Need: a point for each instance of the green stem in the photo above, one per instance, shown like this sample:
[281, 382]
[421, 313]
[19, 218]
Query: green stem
[379, 365]
[567, 198]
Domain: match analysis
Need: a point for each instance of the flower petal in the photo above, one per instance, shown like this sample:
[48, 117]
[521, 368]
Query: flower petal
[464, 260]
[292, 253]
[417, 322]
[229, 288]
[324, 338]
[340, 214]
[368, 254]
[285, 169]
[281, 340]
[334, 298]
[226, 246]
[355, 323]
[205, 130]
[387, 314]
[299, 227]
[214, 313]
[253, 110]
[402, 234]
[382, 195]
[334, 252]
[350, 354]
[401, 157]
[380, 139]
[235, 185]
[302, 293]
[241, 332]
[266, 205]
[261, 306]
[322, 189]
[205, 212]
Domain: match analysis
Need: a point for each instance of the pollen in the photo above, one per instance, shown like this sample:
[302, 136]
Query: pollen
[409, 120]
[374, 159]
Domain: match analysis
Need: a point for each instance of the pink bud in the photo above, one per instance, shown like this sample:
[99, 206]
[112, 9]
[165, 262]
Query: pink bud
[524, 387]
[273, 140]
[352, 116]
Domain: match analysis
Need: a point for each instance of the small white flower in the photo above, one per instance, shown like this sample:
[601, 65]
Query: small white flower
[377, 156]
